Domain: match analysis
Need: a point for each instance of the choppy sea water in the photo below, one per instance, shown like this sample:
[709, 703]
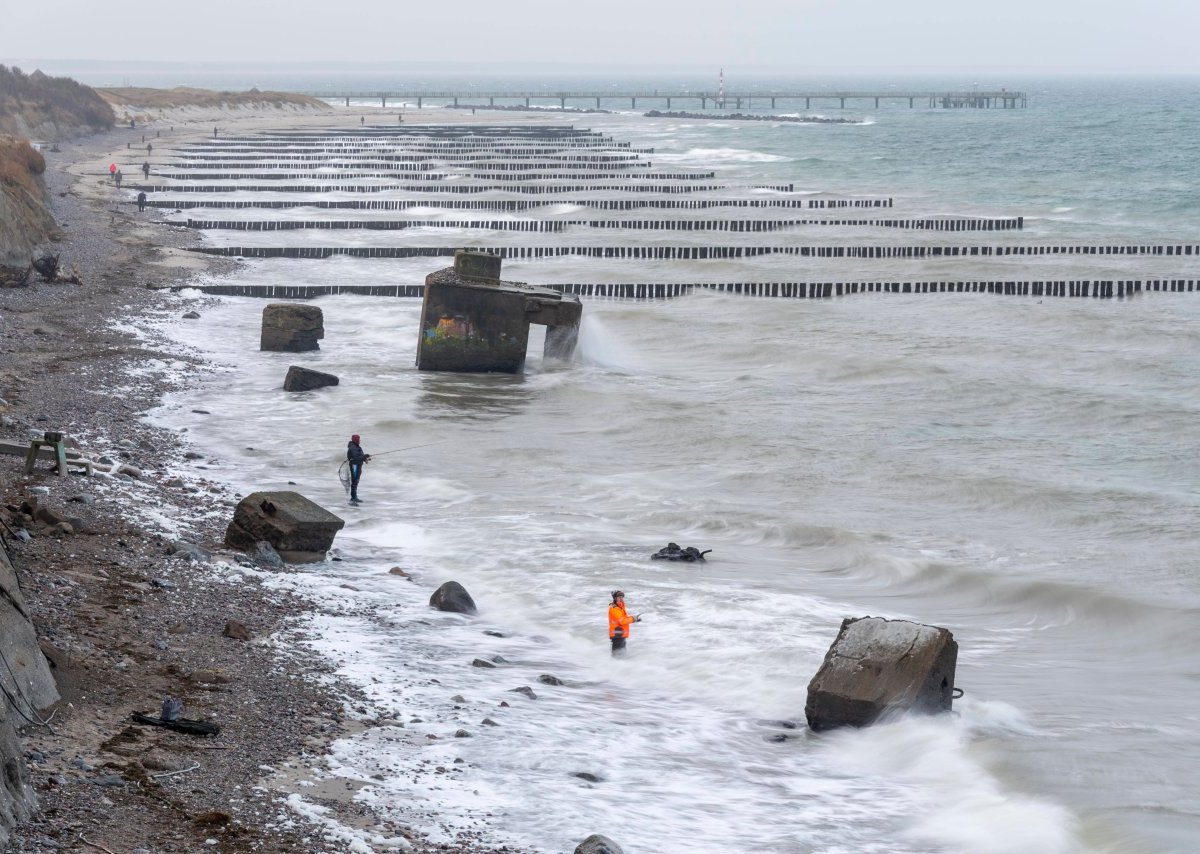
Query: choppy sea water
[1021, 471]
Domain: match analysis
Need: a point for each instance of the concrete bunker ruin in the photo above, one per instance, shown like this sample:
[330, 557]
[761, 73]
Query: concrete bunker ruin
[473, 322]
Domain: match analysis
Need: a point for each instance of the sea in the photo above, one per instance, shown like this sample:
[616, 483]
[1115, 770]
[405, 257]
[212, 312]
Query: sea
[1021, 470]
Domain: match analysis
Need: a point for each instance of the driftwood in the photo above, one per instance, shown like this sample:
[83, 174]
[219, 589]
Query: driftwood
[672, 551]
[14, 277]
[187, 725]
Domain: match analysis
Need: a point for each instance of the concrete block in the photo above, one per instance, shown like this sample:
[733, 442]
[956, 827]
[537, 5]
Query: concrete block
[877, 666]
[300, 530]
[290, 327]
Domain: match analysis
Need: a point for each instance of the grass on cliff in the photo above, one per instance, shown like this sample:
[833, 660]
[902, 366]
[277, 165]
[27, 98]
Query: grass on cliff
[183, 96]
[20, 166]
[40, 100]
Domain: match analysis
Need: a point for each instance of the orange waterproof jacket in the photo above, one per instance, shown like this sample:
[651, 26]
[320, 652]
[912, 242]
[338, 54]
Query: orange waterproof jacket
[618, 617]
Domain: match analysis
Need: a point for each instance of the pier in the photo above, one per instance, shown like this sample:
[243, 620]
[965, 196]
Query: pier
[974, 99]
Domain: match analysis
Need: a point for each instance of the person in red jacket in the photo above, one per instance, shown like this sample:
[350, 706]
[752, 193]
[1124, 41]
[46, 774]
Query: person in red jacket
[619, 622]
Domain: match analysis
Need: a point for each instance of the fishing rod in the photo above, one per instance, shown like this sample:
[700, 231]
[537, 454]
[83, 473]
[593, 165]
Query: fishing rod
[409, 448]
[344, 468]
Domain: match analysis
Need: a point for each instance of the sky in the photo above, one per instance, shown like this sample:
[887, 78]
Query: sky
[789, 36]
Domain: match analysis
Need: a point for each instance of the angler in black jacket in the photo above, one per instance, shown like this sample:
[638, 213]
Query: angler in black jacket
[357, 459]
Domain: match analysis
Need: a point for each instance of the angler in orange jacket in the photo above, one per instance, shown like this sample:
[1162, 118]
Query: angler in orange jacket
[619, 622]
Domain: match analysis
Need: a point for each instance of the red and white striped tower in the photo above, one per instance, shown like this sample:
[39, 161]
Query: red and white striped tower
[721, 90]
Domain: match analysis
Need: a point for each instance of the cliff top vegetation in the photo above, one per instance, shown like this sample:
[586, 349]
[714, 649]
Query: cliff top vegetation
[37, 101]
[183, 96]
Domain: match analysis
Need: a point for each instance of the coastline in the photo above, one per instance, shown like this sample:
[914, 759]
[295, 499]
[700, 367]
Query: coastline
[124, 614]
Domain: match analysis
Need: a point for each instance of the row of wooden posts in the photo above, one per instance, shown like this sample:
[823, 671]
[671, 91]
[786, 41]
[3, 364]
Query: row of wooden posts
[202, 161]
[412, 164]
[694, 253]
[553, 226]
[1098, 289]
[334, 147]
[517, 204]
[349, 174]
[665, 189]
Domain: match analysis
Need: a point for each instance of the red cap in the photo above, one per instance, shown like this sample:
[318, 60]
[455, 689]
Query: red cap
[354, 438]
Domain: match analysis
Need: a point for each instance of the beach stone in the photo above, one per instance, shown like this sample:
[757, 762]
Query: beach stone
[547, 679]
[306, 379]
[526, 690]
[300, 530]
[132, 471]
[482, 662]
[191, 551]
[291, 328]
[598, 844]
[588, 776]
[877, 666]
[265, 554]
[236, 630]
[192, 315]
[453, 597]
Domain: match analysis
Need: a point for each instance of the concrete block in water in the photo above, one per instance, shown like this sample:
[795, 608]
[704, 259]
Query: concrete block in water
[306, 379]
[876, 666]
[480, 324]
[301, 530]
[290, 327]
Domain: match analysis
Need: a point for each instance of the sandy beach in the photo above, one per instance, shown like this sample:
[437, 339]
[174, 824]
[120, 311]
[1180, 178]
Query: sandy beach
[134, 603]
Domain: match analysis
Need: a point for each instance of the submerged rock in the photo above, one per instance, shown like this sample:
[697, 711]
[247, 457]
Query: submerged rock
[453, 597]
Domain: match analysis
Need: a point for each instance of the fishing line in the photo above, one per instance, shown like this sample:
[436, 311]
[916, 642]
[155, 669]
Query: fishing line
[344, 468]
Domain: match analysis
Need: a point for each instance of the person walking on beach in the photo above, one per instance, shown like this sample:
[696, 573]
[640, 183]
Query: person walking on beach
[357, 459]
[117, 178]
[141, 201]
[619, 622]
[146, 169]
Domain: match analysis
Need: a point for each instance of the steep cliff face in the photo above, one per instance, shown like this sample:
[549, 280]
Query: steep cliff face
[28, 686]
[25, 220]
[40, 107]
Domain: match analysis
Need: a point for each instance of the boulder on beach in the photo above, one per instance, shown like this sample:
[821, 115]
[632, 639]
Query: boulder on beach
[300, 530]
[306, 379]
[452, 596]
[598, 844]
[877, 666]
[289, 327]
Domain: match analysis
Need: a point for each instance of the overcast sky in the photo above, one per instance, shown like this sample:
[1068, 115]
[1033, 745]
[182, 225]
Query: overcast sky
[805, 36]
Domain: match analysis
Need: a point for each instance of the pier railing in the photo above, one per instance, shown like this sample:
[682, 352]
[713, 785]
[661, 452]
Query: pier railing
[973, 99]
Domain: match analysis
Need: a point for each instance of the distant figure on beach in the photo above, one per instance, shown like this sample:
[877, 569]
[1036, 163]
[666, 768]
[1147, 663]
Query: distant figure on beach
[146, 169]
[149, 147]
[141, 201]
[357, 459]
[362, 120]
[112, 170]
[131, 122]
[619, 622]
[400, 118]
[214, 130]
[117, 178]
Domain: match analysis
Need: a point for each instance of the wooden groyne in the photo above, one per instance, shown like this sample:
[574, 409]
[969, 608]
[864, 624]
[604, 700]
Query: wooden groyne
[698, 253]
[557, 226]
[537, 170]
[520, 204]
[1066, 288]
[448, 188]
